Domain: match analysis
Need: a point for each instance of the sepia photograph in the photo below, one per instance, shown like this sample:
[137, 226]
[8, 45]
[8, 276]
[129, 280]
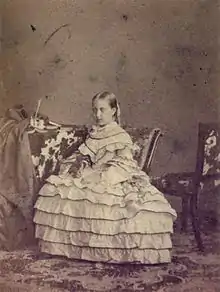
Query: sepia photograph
[109, 146]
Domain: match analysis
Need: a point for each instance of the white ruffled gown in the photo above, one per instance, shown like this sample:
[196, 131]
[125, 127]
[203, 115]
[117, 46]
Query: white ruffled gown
[111, 213]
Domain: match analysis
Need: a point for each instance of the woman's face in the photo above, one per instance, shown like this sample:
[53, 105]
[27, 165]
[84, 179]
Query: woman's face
[103, 113]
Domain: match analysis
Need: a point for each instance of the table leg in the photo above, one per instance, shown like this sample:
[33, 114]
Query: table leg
[185, 213]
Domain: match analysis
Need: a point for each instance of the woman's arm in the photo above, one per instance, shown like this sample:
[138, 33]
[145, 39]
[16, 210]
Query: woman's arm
[118, 166]
[108, 156]
[125, 153]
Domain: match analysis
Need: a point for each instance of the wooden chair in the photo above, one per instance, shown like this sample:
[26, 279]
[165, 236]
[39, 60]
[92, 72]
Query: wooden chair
[207, 169]
[188, 185]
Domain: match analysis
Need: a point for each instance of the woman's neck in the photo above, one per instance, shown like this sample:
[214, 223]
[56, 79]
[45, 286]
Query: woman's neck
[106, 125]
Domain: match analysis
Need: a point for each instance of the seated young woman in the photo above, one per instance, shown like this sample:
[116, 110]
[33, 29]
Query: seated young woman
[109, 211]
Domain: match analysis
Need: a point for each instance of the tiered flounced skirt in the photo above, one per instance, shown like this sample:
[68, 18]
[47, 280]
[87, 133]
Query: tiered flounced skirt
[131, 222]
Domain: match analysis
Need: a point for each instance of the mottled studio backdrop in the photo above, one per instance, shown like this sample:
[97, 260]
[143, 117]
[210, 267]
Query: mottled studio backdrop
[159, 57]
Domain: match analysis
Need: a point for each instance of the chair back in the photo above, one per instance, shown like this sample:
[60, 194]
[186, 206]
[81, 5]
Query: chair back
[208, 154]
[149, 150]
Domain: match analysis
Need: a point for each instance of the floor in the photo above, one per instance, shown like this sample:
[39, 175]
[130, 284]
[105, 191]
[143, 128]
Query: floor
[190, 270]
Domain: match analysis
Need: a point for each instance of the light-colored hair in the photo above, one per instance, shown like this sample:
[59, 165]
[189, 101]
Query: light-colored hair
[112, 100]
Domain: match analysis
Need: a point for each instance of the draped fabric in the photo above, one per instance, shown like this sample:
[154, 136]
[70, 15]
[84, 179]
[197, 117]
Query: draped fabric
[17, 177]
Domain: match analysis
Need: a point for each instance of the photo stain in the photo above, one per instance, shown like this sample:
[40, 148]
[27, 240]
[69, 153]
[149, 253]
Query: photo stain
[122, 61]
[57, 59]
[125, 17]
[32, 27]
[93, 78]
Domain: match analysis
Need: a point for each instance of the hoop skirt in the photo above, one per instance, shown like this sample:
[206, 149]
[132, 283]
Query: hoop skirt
[110, 213]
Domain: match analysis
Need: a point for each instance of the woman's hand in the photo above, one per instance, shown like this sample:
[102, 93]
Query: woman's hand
[84, 164]
[106, 158]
